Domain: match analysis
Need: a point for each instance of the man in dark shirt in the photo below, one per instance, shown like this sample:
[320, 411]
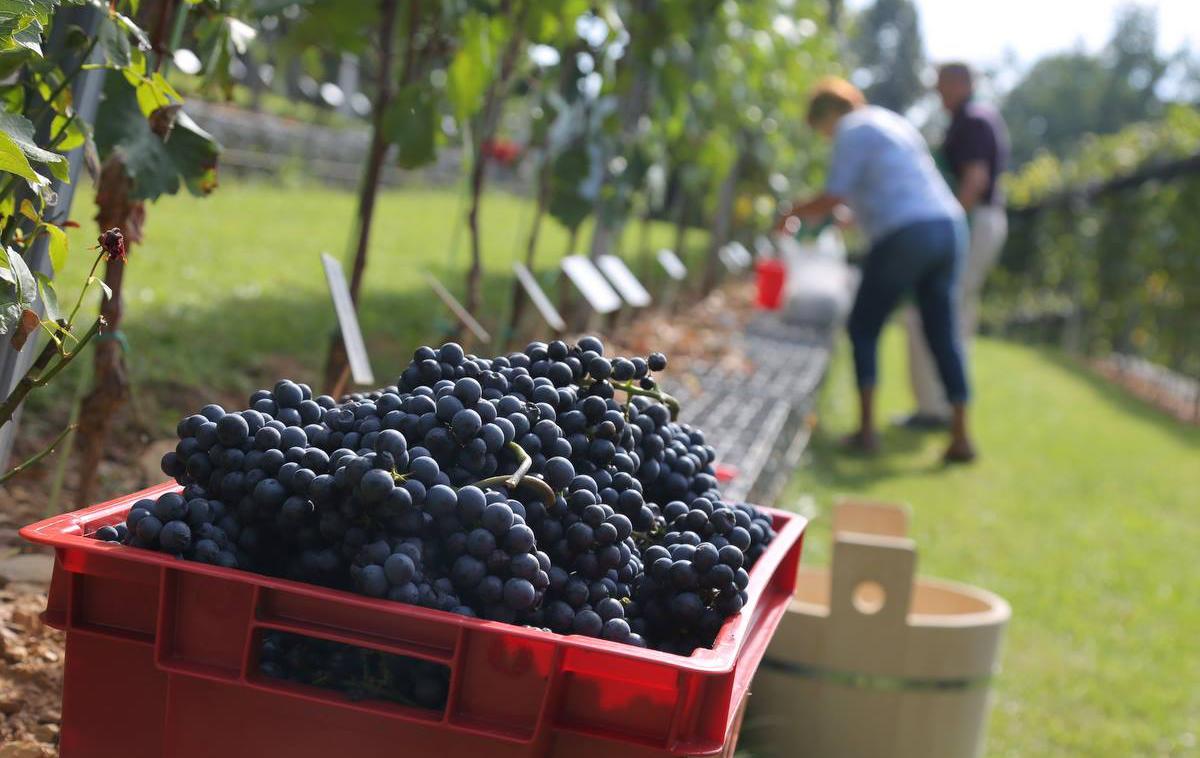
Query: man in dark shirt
[975, 151]
[976, 143]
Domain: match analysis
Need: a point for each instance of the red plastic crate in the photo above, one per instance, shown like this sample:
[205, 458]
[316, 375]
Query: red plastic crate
[162, 661]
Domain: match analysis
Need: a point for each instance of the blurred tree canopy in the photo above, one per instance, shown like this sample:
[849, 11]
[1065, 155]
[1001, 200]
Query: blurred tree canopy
[888, 53]
[1067, 95]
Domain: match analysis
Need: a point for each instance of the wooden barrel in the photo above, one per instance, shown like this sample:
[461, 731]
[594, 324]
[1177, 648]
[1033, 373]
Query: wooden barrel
[872, 661]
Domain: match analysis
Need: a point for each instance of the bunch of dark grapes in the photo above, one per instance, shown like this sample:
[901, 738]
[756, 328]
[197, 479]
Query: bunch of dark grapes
[520, 488]
[676, 462]
[469, 552]
[595, 559]
[254, 469]
[573, 387]
[688, 590]
[184, 524]
[358, 671]
[720, 524]
[566, 419]
[762, 531]
[698, 570]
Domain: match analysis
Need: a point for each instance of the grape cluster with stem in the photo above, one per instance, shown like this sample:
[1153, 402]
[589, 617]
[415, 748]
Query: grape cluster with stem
[548, 487]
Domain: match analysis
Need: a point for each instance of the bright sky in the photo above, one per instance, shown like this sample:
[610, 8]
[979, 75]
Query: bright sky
[980, 31]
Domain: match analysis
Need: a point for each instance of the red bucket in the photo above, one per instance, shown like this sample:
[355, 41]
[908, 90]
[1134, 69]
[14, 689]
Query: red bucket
[771, 275]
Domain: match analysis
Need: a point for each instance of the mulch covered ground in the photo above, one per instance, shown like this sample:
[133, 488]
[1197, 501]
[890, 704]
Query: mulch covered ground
[31, 667]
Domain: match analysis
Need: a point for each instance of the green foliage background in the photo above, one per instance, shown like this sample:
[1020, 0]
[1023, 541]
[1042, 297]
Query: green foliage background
[1126, 260]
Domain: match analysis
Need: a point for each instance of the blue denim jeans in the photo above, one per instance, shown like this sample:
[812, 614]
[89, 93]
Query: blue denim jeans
[923, 258]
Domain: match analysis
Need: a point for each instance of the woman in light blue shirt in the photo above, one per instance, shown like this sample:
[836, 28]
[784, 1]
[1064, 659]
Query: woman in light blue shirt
[882, 169]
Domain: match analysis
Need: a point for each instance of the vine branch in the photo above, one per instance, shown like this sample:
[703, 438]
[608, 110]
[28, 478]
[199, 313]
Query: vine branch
[36, 457]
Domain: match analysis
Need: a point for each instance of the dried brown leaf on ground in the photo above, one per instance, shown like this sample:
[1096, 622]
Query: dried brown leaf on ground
[701, 334]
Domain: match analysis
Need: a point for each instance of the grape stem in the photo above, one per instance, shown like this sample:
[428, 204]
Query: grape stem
[543, 489]
[4, 477]
[523, 465]
[518, 477]
[644, 539]
[632, 389]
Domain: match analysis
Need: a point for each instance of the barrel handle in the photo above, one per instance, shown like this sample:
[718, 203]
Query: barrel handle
[863, 566]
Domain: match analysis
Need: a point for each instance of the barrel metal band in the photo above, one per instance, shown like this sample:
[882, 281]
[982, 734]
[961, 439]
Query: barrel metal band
[884, 682]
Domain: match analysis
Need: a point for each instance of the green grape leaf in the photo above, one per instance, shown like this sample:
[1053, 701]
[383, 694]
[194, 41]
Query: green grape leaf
[58, 247]
[570, 199]
[103, 285]
[468, 73]
[20, 130]
[186, 156]
[18, 289]
[135, 72]
[164, 86]
[22, 22]
[61, 170]
[12, 99]
[12, 60]
[13, 160]
[30, 38]
[114, 43]
[150, 98]
[411, 123]
[49, 297]
[73, 133]
[347, 27]
[195, 154]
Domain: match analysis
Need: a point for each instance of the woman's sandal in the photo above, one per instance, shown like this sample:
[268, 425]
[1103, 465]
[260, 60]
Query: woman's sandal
[956, 454]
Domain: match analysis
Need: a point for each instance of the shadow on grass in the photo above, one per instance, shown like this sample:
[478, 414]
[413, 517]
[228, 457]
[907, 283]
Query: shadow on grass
[900, 455]
[905, 453]
[902, 452]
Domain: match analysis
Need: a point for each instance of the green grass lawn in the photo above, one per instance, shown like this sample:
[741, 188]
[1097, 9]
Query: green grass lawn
[1083, 512]
[228, 292]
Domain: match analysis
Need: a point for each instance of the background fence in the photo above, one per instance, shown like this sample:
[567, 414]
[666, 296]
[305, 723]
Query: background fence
[1103, 255]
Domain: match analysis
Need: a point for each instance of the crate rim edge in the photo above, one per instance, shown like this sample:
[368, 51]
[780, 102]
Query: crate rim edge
[65, 531]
